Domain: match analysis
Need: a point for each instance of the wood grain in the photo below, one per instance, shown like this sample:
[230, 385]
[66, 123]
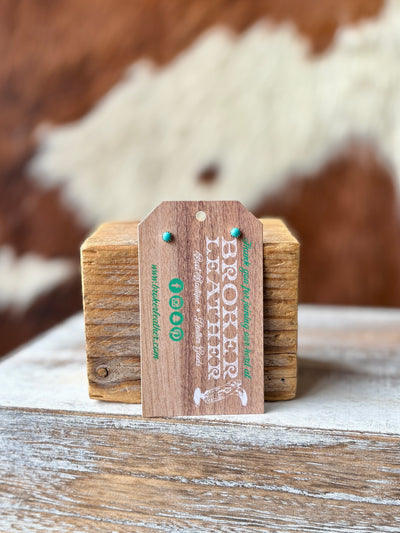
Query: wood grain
[201, 310]
[109, 261]
[329, 461]
[63, 472]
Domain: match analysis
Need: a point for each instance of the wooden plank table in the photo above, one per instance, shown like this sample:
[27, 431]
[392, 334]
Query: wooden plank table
[327, 461]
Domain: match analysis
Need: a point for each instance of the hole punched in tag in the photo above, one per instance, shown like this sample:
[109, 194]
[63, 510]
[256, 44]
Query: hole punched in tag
[201, 216]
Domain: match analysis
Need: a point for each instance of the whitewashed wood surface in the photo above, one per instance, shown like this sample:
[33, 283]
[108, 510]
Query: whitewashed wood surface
[327, 461]
[349, 373]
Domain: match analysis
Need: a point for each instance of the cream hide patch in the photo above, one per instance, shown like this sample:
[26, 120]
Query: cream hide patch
[24, 278]
[257, 107]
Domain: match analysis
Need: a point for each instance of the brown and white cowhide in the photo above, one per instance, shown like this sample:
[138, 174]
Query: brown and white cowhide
[291, 107]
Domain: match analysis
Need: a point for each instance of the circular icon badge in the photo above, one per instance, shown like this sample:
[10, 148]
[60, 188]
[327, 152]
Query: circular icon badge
[176, 285]
[176, 333]
[176, 302]
[176, 318]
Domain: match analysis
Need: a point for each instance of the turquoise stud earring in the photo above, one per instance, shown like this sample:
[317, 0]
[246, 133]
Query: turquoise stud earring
[167, 236]
[235, 232]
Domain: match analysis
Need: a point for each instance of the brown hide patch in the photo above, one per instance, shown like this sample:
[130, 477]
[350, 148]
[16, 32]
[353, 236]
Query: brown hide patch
[347, 218]
[38, 220]
[58, 59]
[48, 310]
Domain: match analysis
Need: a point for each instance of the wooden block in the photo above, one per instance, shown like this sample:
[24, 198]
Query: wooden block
[110, 282]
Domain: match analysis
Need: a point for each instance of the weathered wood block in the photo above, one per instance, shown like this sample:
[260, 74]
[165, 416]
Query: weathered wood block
[110, 282]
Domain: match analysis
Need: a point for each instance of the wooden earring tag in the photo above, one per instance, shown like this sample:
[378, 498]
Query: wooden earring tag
[201, 310]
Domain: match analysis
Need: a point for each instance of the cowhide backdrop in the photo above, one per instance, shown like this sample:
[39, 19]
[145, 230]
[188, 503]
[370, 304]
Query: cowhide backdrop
[108, 107]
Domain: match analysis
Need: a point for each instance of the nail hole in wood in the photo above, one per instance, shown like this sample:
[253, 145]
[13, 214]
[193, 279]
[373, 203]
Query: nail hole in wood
[102, 372]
